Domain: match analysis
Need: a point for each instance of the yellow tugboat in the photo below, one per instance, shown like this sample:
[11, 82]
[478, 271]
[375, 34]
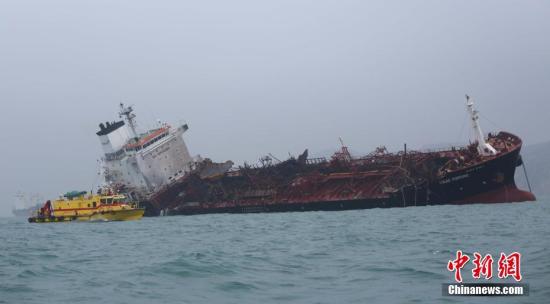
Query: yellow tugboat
[81, 206]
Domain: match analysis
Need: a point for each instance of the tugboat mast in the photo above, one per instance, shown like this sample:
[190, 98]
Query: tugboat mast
[483, 147]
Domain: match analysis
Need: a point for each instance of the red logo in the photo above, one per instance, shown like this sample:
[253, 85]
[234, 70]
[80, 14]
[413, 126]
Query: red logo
[508, 266]
[458, 264]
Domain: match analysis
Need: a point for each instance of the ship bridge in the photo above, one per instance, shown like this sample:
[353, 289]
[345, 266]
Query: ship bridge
[146, 161]
[148, 139]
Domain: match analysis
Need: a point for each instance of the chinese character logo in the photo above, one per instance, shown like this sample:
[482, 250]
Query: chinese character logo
[482, 266]
[508, 266]
[458, 264]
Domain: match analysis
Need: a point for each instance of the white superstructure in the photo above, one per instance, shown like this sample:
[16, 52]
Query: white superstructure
[142, 162]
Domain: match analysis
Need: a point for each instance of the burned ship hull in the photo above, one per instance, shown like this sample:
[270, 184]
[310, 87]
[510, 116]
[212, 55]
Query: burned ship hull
[490, 181]
[378, 180]
[155, 168]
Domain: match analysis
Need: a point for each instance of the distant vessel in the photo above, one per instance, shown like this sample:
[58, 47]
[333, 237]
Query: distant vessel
[81, 206]
[25, 212]
[26, 204]
[156, 168]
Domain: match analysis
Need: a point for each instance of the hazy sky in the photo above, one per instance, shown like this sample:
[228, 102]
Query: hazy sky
[257, 77]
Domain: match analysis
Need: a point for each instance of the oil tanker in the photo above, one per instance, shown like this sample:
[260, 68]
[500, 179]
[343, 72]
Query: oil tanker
[156, 168]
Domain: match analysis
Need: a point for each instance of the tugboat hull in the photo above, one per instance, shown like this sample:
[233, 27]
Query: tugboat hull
[119, 215]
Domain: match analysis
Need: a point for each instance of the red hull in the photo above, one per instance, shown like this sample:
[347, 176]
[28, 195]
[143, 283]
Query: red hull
[505, 194]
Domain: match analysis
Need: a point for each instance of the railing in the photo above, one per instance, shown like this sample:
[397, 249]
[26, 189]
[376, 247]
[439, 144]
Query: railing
[315, 161]
[115, 156]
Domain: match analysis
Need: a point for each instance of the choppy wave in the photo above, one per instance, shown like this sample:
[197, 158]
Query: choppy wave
[379, 255]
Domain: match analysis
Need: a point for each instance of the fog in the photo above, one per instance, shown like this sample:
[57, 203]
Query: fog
[258, 77]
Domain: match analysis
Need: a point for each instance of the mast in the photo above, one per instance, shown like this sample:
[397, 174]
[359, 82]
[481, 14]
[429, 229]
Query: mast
[126, 112]
[483, 147]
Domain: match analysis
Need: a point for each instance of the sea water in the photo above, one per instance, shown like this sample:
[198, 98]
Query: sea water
[394, 255]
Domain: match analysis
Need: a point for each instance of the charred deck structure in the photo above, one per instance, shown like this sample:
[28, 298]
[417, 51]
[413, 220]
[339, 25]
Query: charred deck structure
[155, 168]
[378, 180]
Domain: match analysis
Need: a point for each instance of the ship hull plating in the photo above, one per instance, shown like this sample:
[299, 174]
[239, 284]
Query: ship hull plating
[506, 194]
[488, 182]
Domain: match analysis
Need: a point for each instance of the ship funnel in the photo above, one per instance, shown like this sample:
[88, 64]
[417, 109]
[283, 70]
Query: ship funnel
[483, 147]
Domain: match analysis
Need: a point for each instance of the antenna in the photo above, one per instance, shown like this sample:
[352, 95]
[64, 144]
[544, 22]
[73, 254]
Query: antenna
[343, 154]
[126, 112]
[483, 147]
[275, 158]
[341, 141]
